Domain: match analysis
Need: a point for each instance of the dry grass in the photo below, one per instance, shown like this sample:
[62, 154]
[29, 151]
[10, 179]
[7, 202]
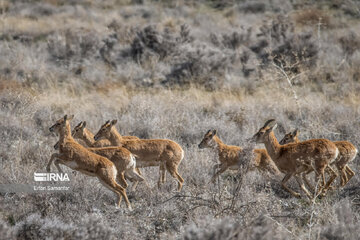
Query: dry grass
[195, 68]
[312, 17]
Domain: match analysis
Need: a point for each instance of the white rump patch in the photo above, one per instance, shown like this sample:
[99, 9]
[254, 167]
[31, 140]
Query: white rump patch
[356, 152]
[182, 154]
[114, 170]
[132, 163]
[336, 155]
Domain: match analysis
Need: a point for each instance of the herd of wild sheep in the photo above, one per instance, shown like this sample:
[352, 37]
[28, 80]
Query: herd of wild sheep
[113, 158]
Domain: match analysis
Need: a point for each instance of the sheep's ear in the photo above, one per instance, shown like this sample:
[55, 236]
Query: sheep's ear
[269, 123]
[113, 122]
[83, 124]
[65, 117]
[80, 123]
[208, 132]
[214, 132]
[271, 127]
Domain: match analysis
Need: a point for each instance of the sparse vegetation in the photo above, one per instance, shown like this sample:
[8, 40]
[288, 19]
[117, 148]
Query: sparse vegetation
[175, 69]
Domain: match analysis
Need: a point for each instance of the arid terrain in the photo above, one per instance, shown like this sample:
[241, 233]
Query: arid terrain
[174, 70]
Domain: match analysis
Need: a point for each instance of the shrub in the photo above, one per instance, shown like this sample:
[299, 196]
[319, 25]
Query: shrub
[73, 46]
[233, 40]
[5, 231]
[260, 229]
[201, 67]
[220, 4]
[349, 43]
[35, 227]
[291, 51]
[164, 44]
[343, 226]
[312, 17]
[253, 7]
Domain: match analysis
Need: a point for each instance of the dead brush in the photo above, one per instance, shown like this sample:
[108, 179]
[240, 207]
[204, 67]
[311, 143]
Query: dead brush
[311, 17]
[152, 41]
[288, 49]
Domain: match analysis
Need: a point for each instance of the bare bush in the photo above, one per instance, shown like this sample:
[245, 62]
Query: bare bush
[253, 7]
[312, 17]
[200, 67]
[261, 228]
[343, 225]
[163, 44]
[36, 227]
[289, 50]
[350, 44]
[72, 46]
[232, 41]
[6, 232]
